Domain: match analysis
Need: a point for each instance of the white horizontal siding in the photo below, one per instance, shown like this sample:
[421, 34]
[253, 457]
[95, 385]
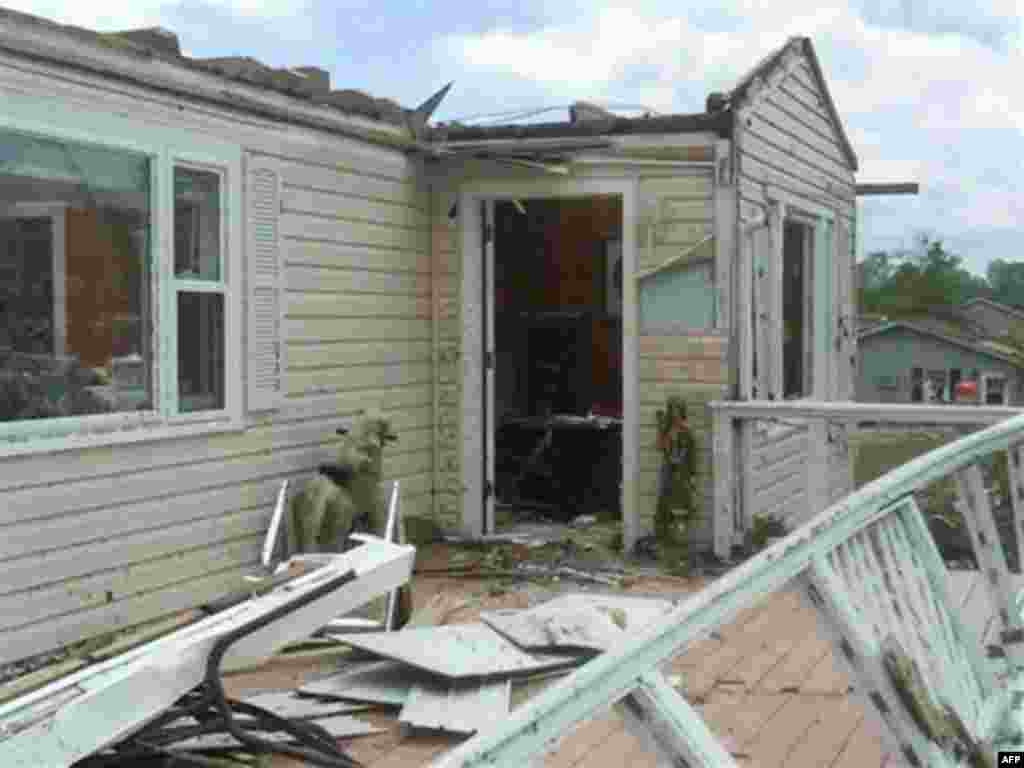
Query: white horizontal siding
[96, 540]
[791, 142]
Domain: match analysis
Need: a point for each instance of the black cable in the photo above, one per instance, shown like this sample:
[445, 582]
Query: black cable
[332, 756]
[154, 739]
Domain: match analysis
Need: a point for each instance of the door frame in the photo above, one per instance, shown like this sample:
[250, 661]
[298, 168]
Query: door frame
[471, 197]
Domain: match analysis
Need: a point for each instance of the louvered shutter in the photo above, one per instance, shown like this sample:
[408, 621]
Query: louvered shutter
[265, 291]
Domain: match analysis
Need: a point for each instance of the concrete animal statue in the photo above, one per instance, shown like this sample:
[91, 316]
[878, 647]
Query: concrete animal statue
[344, 493]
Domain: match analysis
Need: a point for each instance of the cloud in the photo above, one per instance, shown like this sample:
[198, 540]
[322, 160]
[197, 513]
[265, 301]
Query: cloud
[129, 14]
[927, 92]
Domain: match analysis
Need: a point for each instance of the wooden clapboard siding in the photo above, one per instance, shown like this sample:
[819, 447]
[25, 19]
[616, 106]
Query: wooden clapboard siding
[685, 216]
[788, 140]
[690, 362]
[775, 470]
[106, 537]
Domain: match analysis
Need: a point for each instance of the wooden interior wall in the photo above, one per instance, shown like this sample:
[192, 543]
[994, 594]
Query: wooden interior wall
[554, 259]
[97, 271]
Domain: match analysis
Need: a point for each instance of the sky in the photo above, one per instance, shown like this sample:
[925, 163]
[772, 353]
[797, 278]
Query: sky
[927, 91]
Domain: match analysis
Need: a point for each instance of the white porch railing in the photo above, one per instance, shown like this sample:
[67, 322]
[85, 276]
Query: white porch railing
[870, 569]
[732, 455]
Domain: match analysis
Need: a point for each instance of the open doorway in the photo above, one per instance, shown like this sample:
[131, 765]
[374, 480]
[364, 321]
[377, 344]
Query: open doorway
[557, 409]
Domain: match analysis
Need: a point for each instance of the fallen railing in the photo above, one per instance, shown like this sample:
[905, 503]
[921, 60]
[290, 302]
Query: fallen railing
[868, 566]
[825, 423]
[84, 712]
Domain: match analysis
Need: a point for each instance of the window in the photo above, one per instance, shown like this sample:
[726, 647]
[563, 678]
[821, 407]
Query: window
[797, 310]
[792, 344]
[102, 328]
[200, 289]
[74, 278]
[916, 385]
[994, 389]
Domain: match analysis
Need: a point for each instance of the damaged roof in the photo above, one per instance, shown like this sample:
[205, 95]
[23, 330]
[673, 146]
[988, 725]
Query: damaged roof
[717, 117]
[310, 84]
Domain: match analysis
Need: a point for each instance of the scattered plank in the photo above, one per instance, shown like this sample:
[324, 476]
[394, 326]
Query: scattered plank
[590, 622]
[460, 706]
[455, 651]
[286, 704]
[379, 682]
[339, 726]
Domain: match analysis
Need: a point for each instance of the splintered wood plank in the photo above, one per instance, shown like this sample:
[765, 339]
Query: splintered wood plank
[460, 650]
[460, 706]
[380, 682]
[783, 731]
[740, 716]
[836, 718]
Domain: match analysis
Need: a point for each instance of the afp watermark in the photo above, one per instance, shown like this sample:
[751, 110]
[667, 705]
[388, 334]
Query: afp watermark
[1015, 757]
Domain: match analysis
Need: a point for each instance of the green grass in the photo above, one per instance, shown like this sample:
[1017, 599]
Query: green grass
[876, 454]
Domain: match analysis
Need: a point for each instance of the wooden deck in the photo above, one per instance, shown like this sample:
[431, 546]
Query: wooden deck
[765, 684]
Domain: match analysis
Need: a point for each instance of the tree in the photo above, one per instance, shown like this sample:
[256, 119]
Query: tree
[921, 280]
[1006, 279]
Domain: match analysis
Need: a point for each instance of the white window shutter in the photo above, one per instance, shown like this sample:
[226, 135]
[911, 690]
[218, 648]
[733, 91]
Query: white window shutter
[265, 286]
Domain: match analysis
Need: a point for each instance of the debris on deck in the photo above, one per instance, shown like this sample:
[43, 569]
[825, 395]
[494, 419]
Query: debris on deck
[458, 678]
[147, 690]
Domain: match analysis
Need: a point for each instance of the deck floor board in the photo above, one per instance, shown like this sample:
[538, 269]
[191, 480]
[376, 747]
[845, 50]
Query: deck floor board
[797, 713]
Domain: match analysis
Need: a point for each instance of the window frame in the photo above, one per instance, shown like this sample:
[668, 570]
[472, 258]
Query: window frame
[164, 146]
[176, 286]
[822, 224]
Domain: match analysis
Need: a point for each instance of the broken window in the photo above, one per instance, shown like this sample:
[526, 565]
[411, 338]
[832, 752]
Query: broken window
[74, 278]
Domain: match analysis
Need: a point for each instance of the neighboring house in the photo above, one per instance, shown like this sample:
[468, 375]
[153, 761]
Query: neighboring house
[923, 360]
[995, 318]
[234, 259]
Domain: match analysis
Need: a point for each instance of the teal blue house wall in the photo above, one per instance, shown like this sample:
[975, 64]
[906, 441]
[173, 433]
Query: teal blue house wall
[886, 358]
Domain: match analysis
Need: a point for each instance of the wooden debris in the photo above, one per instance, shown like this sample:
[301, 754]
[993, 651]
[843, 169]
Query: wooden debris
[588, 622]
[456, 651]
[286, 704]
[339, 726]
[461, 706]
[380, 682]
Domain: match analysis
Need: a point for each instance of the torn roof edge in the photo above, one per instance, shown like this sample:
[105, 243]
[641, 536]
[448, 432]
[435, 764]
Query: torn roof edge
[312, 85]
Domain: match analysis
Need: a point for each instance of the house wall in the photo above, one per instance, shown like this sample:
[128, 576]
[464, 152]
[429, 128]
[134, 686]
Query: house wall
[888, 357]
[681, 352]
[676, 356]
[787, 140]
[106, 537]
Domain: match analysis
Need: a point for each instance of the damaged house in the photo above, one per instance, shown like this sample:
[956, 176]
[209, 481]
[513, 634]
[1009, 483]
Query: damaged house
[211, 264]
